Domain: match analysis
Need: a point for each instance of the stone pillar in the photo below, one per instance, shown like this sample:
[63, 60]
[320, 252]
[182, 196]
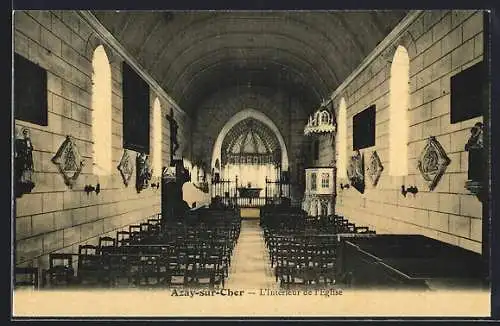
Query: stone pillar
[329, 207]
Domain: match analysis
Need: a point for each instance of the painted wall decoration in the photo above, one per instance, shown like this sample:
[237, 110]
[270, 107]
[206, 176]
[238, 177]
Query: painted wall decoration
[375, 168]
[126, 167]
[143, 172]
[356, 171]
[69, 161]
[477, 166]
[23, 164]
[432, 162]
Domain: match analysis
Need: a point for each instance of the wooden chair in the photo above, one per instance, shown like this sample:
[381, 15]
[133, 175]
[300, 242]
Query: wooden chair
[282, 271]
[116, 269]
[90, 266]
[153, 221]
[363, 229]
[208, 272]
[145, 271]
[167, 263]
[26, 277]
[106, 245]
[122, 238]
[175, 276]
[135, 233]
[61, 272]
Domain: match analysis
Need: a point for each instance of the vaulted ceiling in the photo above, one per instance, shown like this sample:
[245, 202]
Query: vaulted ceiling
[195, 54]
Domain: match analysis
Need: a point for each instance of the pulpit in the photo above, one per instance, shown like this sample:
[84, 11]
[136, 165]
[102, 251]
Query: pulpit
[173, 179]
[318, 197]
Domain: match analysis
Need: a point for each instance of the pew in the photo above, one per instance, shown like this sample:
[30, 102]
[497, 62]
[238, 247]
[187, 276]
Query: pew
[408, 261]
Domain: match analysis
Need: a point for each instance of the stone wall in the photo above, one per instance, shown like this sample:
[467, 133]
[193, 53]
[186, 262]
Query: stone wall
[440, 44]
[53, 217]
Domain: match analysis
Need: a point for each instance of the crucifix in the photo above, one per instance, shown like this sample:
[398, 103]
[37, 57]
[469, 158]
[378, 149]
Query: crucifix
[174, 145]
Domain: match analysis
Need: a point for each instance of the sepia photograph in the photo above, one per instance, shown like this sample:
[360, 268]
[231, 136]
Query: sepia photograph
[239, 163]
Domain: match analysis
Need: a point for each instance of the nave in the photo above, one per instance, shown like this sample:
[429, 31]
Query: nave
[250, 267]
[251, 150]
[214, 248]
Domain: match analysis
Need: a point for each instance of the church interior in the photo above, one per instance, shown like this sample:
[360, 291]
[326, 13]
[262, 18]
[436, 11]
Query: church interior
[251, 150]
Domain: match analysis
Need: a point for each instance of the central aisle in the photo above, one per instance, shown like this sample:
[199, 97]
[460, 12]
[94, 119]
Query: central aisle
[250, 267]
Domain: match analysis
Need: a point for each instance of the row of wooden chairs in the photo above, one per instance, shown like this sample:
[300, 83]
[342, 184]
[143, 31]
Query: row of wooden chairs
[150, 254]
[300, 262]
[61, 268]
[305, 253]
[330, 225]
[141, 269]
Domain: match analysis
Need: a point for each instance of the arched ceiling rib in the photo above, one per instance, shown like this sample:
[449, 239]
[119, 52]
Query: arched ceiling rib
[195, 54]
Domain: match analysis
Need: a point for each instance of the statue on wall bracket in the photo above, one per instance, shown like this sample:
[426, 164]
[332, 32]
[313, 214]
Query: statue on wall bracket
[126, 167]
[143, 172]
[23, 163]
[69, 161]
[477, 166]
[183, 175]
[200, 181]
[433, 162]
[356, 171]
[375, 168]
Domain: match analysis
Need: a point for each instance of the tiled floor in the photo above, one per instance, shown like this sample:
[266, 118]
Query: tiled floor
[250, 268]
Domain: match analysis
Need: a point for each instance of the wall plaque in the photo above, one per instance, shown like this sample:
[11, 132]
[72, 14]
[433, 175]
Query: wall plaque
[375, 168]
[126, 167]
[432, 162]
[69, 161]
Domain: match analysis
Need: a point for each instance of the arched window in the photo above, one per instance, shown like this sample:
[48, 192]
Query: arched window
[398, 115]
[101, 112]
[157, 138]
[342, 141]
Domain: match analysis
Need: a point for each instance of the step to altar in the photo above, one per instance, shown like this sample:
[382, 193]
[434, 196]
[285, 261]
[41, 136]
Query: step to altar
[250, 213]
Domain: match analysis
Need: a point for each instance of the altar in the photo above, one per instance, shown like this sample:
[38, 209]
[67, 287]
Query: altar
[249, 192]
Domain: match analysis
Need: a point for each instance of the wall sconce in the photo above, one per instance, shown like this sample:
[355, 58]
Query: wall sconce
[155, 185]
[412, 189]
[344, 186]
[89, 188]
